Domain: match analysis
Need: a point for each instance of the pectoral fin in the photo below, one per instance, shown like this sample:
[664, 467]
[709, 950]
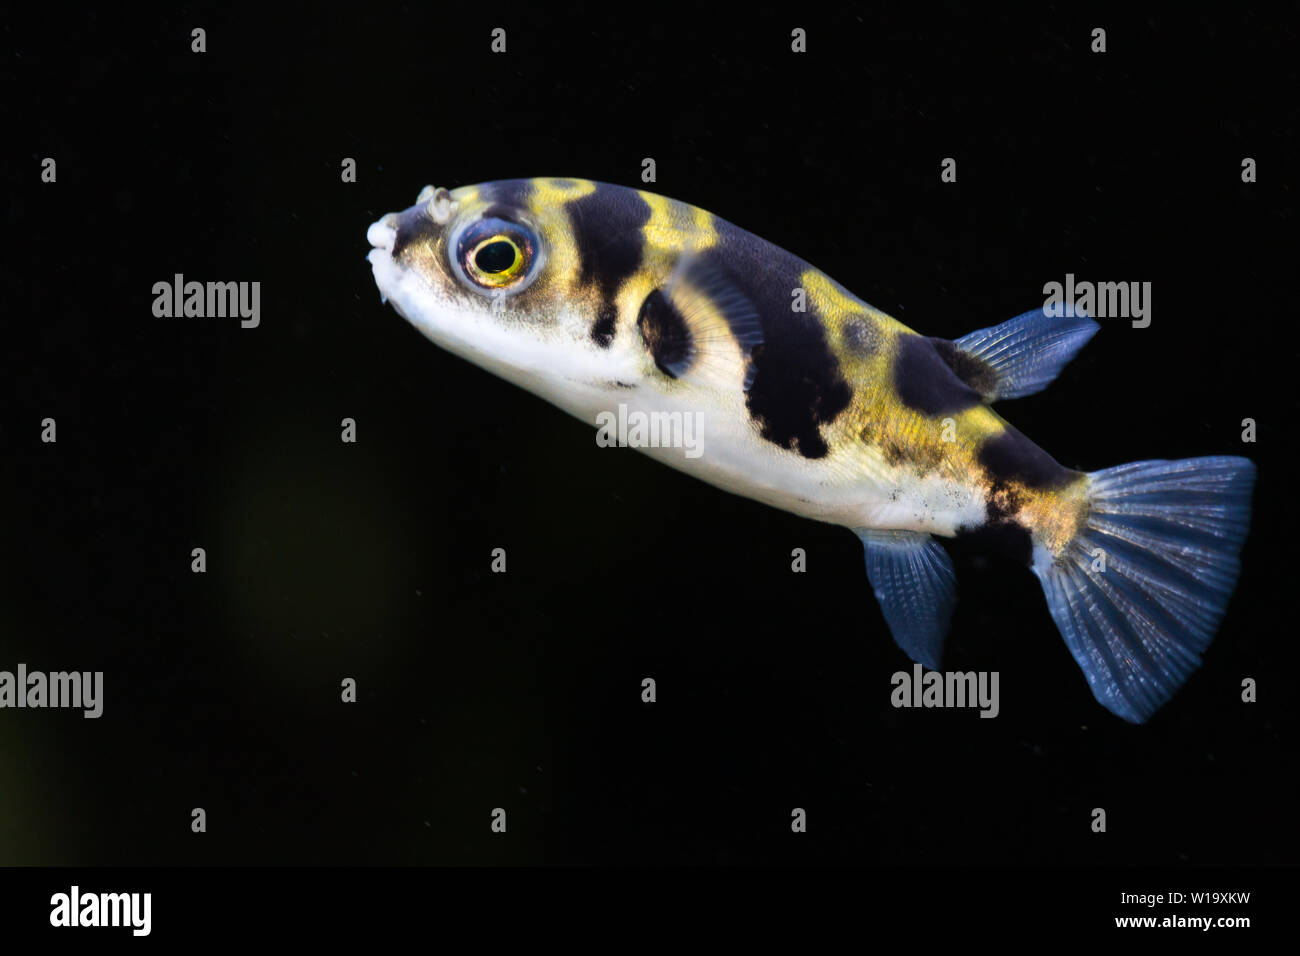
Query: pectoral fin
[700, 326]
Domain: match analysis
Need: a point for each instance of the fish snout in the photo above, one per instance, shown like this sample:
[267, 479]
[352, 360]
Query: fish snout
[383, 234]
[416, 226]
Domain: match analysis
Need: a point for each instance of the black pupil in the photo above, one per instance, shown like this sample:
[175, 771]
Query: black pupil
[495, 257]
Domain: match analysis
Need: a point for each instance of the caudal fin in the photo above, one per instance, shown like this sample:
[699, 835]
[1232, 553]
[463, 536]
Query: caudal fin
[1139, 592]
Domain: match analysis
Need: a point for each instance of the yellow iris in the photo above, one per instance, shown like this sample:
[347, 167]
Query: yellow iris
[496, 261]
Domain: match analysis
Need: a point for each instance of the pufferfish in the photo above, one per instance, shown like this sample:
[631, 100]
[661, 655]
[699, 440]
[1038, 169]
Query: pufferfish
[598, 297]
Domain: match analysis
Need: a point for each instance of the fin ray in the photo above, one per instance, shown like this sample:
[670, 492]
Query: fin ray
[716, 323]
[914, 582]
[1169, 535]
[1023, 355]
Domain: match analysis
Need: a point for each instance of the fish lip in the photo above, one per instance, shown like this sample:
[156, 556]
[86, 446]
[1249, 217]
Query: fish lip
[382, 234]
[383, 268]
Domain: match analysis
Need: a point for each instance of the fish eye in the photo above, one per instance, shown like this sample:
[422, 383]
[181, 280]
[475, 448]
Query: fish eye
[496, 254]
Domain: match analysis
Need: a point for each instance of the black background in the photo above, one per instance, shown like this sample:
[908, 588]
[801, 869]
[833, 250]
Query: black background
[522, 691]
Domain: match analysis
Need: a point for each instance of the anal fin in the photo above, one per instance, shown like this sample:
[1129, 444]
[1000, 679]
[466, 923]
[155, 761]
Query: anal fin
[914, 582]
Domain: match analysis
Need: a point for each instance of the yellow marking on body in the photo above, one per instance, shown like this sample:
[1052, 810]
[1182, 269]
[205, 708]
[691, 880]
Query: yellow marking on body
[549, 193]
[632, 293]
[547, 202]
[865, 342]
[1056, 516]
[834, 303]
[878, 423]
[676, 227]
[673, 228]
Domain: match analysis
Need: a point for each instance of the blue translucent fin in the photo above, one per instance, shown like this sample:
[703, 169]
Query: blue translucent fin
[1023, 355]
[914, 582]
[1140, 590]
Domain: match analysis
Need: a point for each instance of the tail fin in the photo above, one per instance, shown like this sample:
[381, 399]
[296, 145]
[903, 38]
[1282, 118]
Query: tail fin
[1141, 588]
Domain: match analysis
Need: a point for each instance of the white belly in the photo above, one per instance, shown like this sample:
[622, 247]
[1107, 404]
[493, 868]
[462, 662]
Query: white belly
[857, 490]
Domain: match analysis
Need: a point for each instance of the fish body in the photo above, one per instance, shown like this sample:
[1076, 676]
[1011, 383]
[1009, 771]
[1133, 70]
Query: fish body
[599, 297]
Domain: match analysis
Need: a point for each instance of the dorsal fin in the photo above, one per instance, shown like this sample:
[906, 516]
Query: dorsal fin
[1019, 357]
[700, 326]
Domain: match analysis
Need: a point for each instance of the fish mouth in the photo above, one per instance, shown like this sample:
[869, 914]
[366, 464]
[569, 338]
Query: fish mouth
[382, 236]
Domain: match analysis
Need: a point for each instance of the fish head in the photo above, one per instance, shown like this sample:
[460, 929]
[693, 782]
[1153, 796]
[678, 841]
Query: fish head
[489, 272]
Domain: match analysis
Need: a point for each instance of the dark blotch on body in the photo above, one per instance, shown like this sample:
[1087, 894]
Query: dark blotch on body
[925, 382]
[860, 336]
[975, 372]
[1011, 456]
[607, 230]
[507, 195]
[413, 226]
[500, 211]
[666, 334]
[1003, 501]
[794, 392]
[796, 384]
[602, 331]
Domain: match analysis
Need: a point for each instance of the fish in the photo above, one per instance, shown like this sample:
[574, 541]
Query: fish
[609, 301]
